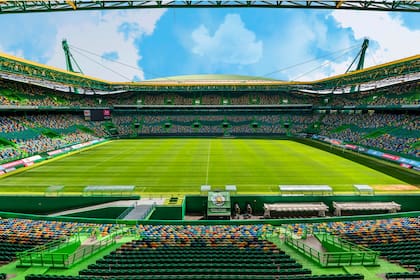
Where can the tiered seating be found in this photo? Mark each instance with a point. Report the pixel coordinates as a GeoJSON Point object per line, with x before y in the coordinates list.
{"type": "Point", "coordinates": [397, 239]}
{"type": "Point", "coordinates": [403, 275]}
{"type": "Point", "coordinates": [61, 277]}
{"type": "Point", "coordinates": [18, 235]}
{"type": "Point", "coordinates": [406, 253]}
{"type": "Point", "coordinates": [221, 252]}
{"type": "Point", "coordinates": [197, 252]}
{"type": "Point", "coordinates": [197, 256]}
{"type": "Point", "coordinates": [34, 133]}
{"type": "Point", "coordinates": [18, 93]}
{"type": "Point", "coordinates": [384, 131]}
{"type": "Point", "coordinates": [9, 250]}
{"type": "Point", "coordinates": [30, 134]}
{"type": "Point", "coordinates": [202, 277]}
{"type": "Point", "coordinates": [400, 245]}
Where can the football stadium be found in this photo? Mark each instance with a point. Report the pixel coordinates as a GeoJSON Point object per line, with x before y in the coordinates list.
{"type": "Point", "coordinates": [209, 176]}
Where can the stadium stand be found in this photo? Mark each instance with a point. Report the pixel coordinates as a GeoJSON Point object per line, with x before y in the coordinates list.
{"type": "Point", "coordinates": [198, 252]}
{"type": "Point", "coordinates": [397, 239]}
{"type": "Point", "coordinates": [29, 134]}
{"type": "Point", "coordinates": [198, 257]}
{"type": "Point", "coordinates": [43, 111]}
{"type": "Point", "coordinates": [403, 275]}
{"type": "Point", "coordinates": [212, 251]}
{"type": "Point", "coordinates": [18, 235]}
{"type": "Point", "coordinates": [398, 94]}
{"type": "Point", "coordinates": [16, 93]}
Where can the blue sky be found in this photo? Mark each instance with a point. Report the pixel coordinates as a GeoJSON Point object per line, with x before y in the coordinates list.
{"type": "Point", "coordinates": [168, 42]}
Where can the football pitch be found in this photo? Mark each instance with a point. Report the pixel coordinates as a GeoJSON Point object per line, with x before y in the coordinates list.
{"type": "Point", "coordinates": [183, 165]}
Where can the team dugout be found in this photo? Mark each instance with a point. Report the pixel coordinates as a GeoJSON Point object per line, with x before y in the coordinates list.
{"type": "Point", "coordinates": [281, 209]}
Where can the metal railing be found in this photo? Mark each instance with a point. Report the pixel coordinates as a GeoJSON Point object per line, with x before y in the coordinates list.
{"type": "Point", "coordinates": [352, 255]}
{"type": "Point", "coordinates": [42, 255]}
{"type": "Point", "coordinates": [36, 254]}
{"type": "Point", "coordinates": [85, 251]}
{"type": "Point", "coordinates": [146, 214]}
{"type": "Point", "coordinates": [126, 211]}
{"type": "Point", "coordinates": [341, 243]}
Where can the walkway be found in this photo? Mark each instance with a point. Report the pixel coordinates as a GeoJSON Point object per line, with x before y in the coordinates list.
{"type": "Point", "coordinates": [119, 203]}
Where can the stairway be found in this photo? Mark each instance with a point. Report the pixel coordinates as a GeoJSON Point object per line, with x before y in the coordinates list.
{"type": "Point", "coordinates": [139, 212]}
{"type": "Point", "coordinates": [314, 243]}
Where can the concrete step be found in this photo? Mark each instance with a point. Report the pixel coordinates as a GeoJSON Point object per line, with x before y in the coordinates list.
{"type": "Point", "coordinates": [139, 212]}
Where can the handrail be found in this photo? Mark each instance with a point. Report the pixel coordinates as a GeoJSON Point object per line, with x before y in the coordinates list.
{"type": "Point", "coordinates": [274, 222]}
{"type": "Point", "coordinates": [153, 206]}
{"type": "Point", "coordinates": [55, 244]}
{"type": "Point", "coordinates": [85, 251]}
{"type": "Point", "coordinates": [126, 211]}
{"type": "Point", "coordinates": [328, 259]}
{"type": "Point", "coordinates": [336, 241]}
{"type": "Point", "coordinates": [41, 258]}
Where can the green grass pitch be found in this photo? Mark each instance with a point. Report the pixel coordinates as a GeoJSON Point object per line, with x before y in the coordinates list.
{"type": "Point", "coordinates": [183, 165]}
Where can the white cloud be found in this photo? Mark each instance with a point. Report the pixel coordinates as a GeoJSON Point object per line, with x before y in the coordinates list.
{"type": "Point", "coordinates": [231, 43]}
{"type": "Point", "coordinates": [295, 44]}
{"type": "Point", "coordinates": [14, 52]}
{"type": "Point", "coordinates": [394, 40]}
{"type": "Point", "coordinates": [105, 33]}
{"type": "Point", "coordinates": [389, 40]}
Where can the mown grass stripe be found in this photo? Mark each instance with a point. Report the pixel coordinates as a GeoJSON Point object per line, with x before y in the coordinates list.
{"type": "Point", "coordinates": [183, 165]}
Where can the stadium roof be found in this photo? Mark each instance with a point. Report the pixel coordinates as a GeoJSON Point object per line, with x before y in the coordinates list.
{"type": "Point", "coordinates": [213, 77]}
{"type": "Point", "coordinates": [18, 69]}
{"type": "Point", "coordinates": [27, 6]}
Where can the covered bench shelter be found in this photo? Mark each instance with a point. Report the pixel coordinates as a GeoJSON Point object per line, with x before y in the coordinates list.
{"type": "Point", "coordinates": [305, 189]}
{"type": "Point", "coordinates": [109, 190]}
{"type": "Point", "coordinates": [363, 189]}
{"type": "Point", "coordinates": [319, 207]}
{"type": "Point", "coordinates": [391, 207]}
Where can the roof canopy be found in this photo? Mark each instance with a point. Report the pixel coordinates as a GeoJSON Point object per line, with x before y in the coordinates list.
{"type": "Point", "coordinates": [319, 207]}
{"type": "Point", "coordinates": [14, 68]}
{"type": "Point", "coordinates": [392, 207]}
{"type": "Point", "coordinates": [27, 6]}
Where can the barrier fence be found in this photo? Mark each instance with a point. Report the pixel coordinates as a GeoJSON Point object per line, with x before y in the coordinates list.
{"type": "Point", "coordinates": [47, 255]}
{"type": "Point", "coordinates": [351, 255]}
